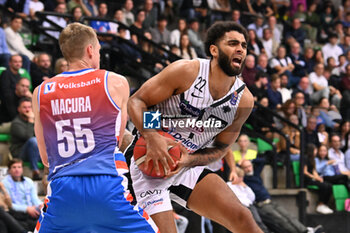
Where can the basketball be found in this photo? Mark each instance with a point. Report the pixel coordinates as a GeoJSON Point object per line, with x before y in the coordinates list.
{"type": "Point", "coordinates": [140, 156]}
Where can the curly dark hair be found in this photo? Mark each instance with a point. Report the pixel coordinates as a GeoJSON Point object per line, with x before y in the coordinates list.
{"type": "Point", "coordinates": [217, 31]}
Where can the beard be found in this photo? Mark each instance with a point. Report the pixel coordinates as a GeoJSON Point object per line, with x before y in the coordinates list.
{"type": "Point", "coordinates": [250, 173]}
{"type": "Point", "coordinates": [225, 64]}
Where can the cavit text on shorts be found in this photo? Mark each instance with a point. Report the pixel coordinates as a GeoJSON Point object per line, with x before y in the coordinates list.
{"type": "Point", "coordinates": [151, 192]}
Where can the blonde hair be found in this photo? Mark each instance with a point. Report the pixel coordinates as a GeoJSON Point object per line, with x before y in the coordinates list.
{"type": "Point", "coordinates": [240, 172]}
{"type": "Point", "coordinates": [73, 40]}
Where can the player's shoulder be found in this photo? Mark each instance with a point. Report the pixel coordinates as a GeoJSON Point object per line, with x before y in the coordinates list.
{"type": "Point", "coordinates": [185, 68]}
{"type": "Point", "coordinates": [247, 97]}
{"type": "Point", "coordinates": [42, 85]}
{"type": "Point", "coordinates": [117, 85]}
{"type": "Point", "coordinates": [180, 74]}
{"type": "Point", "coordinates": [246, 103]}
{"type": "Point", "coordinates": [117, 78]}
{"type": "Point", "coordinates": [36, 90]}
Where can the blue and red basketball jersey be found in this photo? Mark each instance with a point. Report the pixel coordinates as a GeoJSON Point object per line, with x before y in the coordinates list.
{"type": "Point", "coordinates": [81, 125]}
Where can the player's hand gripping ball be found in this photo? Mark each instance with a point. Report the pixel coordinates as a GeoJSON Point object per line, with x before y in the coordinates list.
{"type": "Point", "coordinates": [140, 156]}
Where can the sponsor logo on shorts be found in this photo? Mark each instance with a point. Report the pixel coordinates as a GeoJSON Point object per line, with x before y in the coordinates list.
{"type": "Point", "coordinates": [154, 202]}
{"type": "Point", "coordinates": [151, 192]}
{"type": "Point", "coordinates": [151, 120]}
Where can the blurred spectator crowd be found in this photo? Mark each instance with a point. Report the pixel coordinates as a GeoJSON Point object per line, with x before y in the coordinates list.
{"type": "Point", "coordinates": [298, 62]}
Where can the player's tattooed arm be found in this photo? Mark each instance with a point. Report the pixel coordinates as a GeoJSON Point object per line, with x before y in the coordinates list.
{"type": "Point", "coordinates": [226, 138]}
{"type": "Point", "coordinates": [208, 155]}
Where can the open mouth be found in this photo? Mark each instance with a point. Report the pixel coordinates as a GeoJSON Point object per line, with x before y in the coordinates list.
{"type": "Point", "coordinates": [237, 61]}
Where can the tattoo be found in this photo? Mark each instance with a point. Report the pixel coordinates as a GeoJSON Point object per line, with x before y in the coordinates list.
{"type": "Point", "coordinates": [208, 155]}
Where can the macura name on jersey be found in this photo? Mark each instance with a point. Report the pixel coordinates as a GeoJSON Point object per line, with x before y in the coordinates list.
{"type": "Point", "coordinates": [71, 105]}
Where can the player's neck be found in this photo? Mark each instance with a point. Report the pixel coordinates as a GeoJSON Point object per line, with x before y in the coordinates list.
{"type": "Point", "coordinates": [79, 65]}
{"type": "Point", "coordinates": [219, 82]}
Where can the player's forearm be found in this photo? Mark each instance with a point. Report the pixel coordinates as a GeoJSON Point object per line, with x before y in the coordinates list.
{"type": "Point", "coordinates": [136, 107]}
{"type": "Point", "coordinates": [208, 155]}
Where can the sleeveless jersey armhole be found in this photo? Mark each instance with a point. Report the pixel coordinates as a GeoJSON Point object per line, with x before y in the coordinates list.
{"type": "Point", "coordinates": [38, 97]}
{"type": "Point", "coordinates": [107, 92]}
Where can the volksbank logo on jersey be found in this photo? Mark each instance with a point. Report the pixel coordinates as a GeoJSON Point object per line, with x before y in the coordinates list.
{"type": "Point", "coordinates": [151, 120]}
{"type": "Point", "coordinates": [49, 87]}
{"type": "Point", "coordinates": [79, 84]}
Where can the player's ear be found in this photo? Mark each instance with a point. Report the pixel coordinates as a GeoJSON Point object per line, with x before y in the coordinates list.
{"type": "Point", "coordinates": [213, 50]}
{"type": "Point", "coordinates": [89, 50]}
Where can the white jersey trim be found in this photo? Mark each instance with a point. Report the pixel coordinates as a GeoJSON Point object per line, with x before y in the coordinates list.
{"type": "Point", "coordinates": [107, 92]}
{"type": "Point", "coordinates": [75, 73]}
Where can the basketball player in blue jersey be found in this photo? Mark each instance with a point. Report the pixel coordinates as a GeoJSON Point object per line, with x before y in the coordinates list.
{"type": "Point", "coordinates": [201, 90]}
{"type": "Point", "coordinates": [80, 117]}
